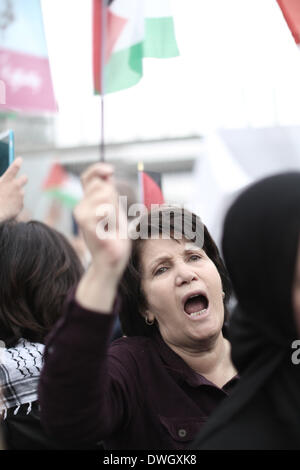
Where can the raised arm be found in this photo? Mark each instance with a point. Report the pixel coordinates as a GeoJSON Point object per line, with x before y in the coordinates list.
{"type": "Point", "coordinates": [11, 191]}
{"type": "Point", "coordinates": [110, 255]}
{"type": "Point", "coordinates": [83, 389]}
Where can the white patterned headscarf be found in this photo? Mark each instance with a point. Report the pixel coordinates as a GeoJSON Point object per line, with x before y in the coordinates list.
{"type": "Point", "coordinates": [20, 369]}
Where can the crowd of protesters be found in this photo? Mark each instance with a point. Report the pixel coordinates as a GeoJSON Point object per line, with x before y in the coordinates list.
{"type": "Point", "coordinates": [186, 373]}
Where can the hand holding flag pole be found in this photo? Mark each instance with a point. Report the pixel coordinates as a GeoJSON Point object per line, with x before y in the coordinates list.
{"type": "Point", "coordinates": [100, 14]}
{"type": "Point", "coordinates": [99, 48]}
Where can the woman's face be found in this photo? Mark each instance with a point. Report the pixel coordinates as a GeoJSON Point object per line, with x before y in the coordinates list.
{"type": "Point", "coordinates": [296, 291]}
{"type": "Point", "coordinates": [183, 289]}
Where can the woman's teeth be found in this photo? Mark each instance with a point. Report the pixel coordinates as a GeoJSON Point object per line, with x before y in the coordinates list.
{"type": "Point", "coordinates": [195, 314]}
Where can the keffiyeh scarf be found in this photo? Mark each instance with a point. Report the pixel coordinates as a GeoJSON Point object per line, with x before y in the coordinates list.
{"type": "Point", "coordinates": [20, 369]}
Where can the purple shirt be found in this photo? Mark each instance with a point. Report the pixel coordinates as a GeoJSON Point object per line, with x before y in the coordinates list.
{"type": "Point", "coordinates": [134, 394]}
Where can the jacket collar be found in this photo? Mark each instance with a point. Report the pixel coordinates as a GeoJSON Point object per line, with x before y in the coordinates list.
{"type": "Point", "coordinates": [179, 369]}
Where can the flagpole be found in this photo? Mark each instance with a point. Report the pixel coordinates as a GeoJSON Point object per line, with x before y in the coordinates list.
{"type": "Point", "coordinates": [140, 181]}
{"type": "Point", "coordinates": [102, 142]}
{"type": "Point", "coordinates": [102, 84]}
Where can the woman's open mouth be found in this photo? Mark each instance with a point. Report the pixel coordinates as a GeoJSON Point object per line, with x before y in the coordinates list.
{"type": "Point", "coordinates": [195, 305]}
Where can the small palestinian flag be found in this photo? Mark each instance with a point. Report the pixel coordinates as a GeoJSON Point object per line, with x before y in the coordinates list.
{"type": "Point", "coordinates": [291, 12]}
{"type": "Point", "coordinates": [150, 187]}
{"type": "Point", "coordinates": [131, 30]}
{"type": "Point", "coordinates": [63, 186]}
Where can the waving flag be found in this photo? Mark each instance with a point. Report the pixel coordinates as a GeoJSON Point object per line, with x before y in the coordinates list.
{"type": "Point", "coordinates": [25, 80]}
{"type": "Point", "coordinates": [150, 187]}
{"type": "Point", "coordinates": [63, 186]}
{"type": "Point", "coordinates": [128, 31]}
{"type": "Point", "coordinates": [291, 13]}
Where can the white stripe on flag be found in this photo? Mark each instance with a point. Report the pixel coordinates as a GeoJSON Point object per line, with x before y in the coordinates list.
{"type": "Point", "coordinates": [157, 8]}
{"type": "Point", "coordinates": [134, 30]}
{"type": "Point", "coordinates": [126, 8]}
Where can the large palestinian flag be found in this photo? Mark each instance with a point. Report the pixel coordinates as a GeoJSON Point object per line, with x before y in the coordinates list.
{"type": "Point", "coordinates": [127, 32]}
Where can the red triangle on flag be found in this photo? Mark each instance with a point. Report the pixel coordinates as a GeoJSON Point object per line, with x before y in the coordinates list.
{"type": "Point", "coordinates": [151, 189]}
{"type": "Point", "coordinates": [56, 177]}
{"type": "Point", "coordinates": [291, 12]}
{"type": "Point", "coordinates": [114, 27]}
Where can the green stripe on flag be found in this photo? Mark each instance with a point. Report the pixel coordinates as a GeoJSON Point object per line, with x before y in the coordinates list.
{"type": "Point", "coordinates": [65, 198]}
{"type": "Point", "coordinates": [124, 69]}
{"type": "Point", "coordinates": [160, 38]}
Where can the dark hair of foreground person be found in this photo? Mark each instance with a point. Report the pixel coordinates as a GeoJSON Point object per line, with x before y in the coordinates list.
{"type": "Point", "coordinates": [38, 268]}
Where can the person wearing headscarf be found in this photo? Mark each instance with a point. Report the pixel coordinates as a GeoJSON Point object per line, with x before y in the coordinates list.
{"type": "Point", "coordinates": [38, 269]}
{"type": "Point", "coordinates": [261, 251]}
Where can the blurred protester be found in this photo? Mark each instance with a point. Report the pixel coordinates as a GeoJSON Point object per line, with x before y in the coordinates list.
{"type": "Point", "coordinates": [156, 387]}
{"type": "Point", "coordinates": [11, 191]}
{"type": "Point", "coordinates": [38, 269]}
{"type": "Point", "coordinates": [11, 204]}
{"type": "Point", "coordinates": [261, 244]}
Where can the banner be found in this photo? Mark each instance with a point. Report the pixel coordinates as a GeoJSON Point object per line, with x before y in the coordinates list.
{"type": "Point", "coordinates": [25, 79]}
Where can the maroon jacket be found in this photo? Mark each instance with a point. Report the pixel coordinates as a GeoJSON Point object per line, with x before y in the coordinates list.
{"type": "Point", "coordinates": [134, 394]}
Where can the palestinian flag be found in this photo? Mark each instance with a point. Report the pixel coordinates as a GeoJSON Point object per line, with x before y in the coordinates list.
{"type": "Point", "coordinates": [291, 12]}
{"type": "Point", "coordinates": [150, 187]}
{"type": "Point", "coordinates": [123, 33]}
{"type": "Point", "coordinates": [63, 186]}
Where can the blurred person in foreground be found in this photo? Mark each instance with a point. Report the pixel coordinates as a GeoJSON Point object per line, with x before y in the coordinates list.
{"type": "Point", "coordinates": [12, 191]}
{"type": "Point", "coordinates": [38, 269]}
{"type": "Point", "coordinates": [156, 387]}
{"type": "Point", "coordinates": [261, 245]}
{"type": "Point", "coordinates": [11, 204]}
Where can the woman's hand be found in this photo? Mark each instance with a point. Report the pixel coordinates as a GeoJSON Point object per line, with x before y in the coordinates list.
{"type": "Point", "coordinates": [11, 191]}
{"type": "Point", "coordinates": [110, 249]}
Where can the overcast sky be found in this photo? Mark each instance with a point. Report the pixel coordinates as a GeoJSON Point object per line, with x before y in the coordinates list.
{"type": "Point", "coordinates": [239, 66]}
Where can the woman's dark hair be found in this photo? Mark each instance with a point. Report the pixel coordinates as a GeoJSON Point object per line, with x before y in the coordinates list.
{"type": "Point", "coordinates": [38, 267]}
{"type": "Point", "coordinates": [134, 302]}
